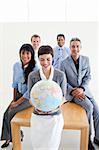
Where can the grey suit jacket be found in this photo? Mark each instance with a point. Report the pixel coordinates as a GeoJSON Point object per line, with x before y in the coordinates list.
{"type": "Point", "coordinates": [58, 77]}
{"type": "Point", "coordinates": [74, 79]}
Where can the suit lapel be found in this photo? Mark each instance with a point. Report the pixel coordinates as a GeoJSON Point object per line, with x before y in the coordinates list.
{"type": "Point", "coordinates": [74, 68]}
{"type": "Point", "coordinates": [80, 66]}
{"type": "Point", "coordinates": [73, 65]}
{"type": "Point", "coordinates": [79, 71]}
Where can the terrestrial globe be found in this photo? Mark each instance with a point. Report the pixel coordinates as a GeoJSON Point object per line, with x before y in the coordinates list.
{"type": "Point", "coordinates": [46, 95]}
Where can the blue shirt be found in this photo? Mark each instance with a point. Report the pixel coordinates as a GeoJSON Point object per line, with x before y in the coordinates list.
{"type": "Point", "coordinates": [18, 78]}
{"type": "Point", "coordinates": [60, 53]}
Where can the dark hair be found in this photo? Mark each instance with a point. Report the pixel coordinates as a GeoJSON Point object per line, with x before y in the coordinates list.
{"type": "Point", "coordinates": [61, 35]}
{"type": "Point", "coordinates": [75, 39]}
{"type": "Point", "coordinates": [35, 35]}
{"type": "Point", "coordinates": [31, 65]}
{"type": "Point", "coordinates": [45, 49]}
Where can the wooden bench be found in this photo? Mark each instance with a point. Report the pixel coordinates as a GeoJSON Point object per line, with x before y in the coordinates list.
{"type": "Point", "coordinates": [74, 119]}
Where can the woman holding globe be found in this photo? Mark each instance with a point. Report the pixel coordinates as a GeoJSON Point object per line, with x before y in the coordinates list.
{"type": "Point", "coordinates": [47, 120]}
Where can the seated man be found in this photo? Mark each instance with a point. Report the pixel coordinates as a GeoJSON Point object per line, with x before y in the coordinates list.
{"type": "Point", "coordinates": [77, 70]}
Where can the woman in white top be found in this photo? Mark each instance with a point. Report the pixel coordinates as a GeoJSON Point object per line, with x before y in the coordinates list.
{"type": "Point", "coordinates": [46, 128]}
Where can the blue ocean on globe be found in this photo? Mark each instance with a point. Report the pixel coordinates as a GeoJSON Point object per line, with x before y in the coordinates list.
{"type": "Point", "coordinates": [46, 95]}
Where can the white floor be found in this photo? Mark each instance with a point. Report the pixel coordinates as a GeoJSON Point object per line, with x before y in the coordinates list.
{"type": "Point", "coordinates": [70, 141]}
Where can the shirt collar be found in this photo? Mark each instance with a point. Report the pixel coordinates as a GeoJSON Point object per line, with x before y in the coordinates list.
{"type": "Point", "coordinates": [77, 62]}
{"type": "Point", "coordinates": [43, 77]}
{"type": "Point", "coordinates": [61, 47]}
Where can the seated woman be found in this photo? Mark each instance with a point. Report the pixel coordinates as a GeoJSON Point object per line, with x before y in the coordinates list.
{"type": "Point", "coordinates": [21, 71]}
{"type": "Point", "coordinates": [46, 127]}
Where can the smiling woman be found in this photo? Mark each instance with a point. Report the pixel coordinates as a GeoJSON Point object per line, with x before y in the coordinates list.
{"type": "Point", "coordinates": [21, 71]}
{"type": "Point", "coordinates": [46, 120]}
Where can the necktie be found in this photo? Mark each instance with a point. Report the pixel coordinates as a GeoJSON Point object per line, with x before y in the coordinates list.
{"type": "Point", "coordinates": [60, 54]}
{"type": "Point", "coordinates": [59, 59]}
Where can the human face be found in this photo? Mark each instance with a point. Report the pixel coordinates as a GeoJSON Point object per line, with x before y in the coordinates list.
{"type": "Point", "coordinates": [45, 61]}
{"type": "Point", "coordinates": [75, 48]}
{"type": "Point", "coordinates": [60, 41]}
{"type": "Point", "coordinates": [25, 56]}
{"type": "Point", "coordinates": [35, 42]}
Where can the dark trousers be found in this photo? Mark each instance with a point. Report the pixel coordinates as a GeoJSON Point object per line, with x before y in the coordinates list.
{"type": "Point", "coordinates": [8, 115]}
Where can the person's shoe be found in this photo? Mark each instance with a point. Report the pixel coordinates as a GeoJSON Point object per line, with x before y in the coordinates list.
{"type": "Point", "coordinates": [91, 146]}
{"type": "Point", "coordinates": [6, 144]}
{"type": "Point", "coordinates": [96, 141]}
{"type": "Point", "coordinates": [22, 135]}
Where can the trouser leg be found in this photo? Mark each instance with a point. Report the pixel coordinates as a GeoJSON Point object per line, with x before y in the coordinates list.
{"type": "Point", "coordinates": [8, 115]}
{"type": "Point", "coordinates": [88, 106]}
{"type": "Point", "coordinates": [96, 118]}
{"type": "Point", "coordinates": [5, 125]}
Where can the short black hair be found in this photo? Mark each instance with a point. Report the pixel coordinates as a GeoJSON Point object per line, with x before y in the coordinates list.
{"type": "Point", "coordinates": [45, 49]}
{"type": "Point", "coordinates": [75, 39]}
{"type": "Point", "coordinates": [61, 35]}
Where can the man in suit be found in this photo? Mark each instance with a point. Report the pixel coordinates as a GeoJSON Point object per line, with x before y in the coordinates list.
{"type": "Point", "coordinates": [35, 41]}
{"type": "Point", "coordinates": [60, 51]}
{"type": "Point", "coordinates": [77, 70]}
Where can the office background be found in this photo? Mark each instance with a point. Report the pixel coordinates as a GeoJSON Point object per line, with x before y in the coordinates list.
{"type": "Point", "coordinates": [82, 17]}
{"type": "Point", "coordinates": [13, 35]}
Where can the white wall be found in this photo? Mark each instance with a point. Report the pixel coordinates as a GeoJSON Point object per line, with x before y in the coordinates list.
{"type": "Point", "coordinates": [13, 35]}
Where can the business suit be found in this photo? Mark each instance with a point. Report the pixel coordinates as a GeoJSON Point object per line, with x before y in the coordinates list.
{"type": "Point", "coordinates": [81, 79]}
